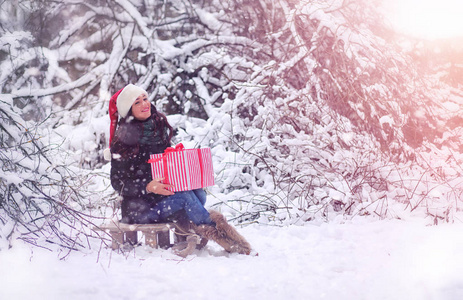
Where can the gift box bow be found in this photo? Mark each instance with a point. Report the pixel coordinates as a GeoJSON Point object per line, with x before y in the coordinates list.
{"type": "Point", "coordinates": [168, 150]}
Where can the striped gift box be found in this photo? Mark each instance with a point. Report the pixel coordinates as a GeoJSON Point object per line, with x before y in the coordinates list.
{"type": "Point", "coordinates": [184, 169]}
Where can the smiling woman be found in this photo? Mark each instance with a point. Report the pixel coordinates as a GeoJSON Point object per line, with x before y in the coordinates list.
{"type": "Point", "coordinates": [141, 108]}
{"type": "Point", "coordinates": [428, 19]}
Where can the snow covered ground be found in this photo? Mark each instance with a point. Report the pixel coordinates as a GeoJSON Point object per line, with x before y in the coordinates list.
{"type": "Point", "coordinates": [360, 259]}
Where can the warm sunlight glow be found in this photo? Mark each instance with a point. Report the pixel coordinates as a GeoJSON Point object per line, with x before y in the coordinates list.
{"type": "Point", "coordinates": [429, 19]}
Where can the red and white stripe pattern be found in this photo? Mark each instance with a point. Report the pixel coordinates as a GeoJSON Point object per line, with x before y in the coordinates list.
{"type": "Point", "coordinates": [184, 169]}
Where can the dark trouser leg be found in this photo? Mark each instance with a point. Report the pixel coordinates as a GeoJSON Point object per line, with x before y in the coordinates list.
{"type": "Point", "coordinates": [189, 202]}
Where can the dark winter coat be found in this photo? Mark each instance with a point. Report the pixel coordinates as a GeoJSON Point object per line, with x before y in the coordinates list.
{"type": "Point", "coordinates": [133, 143]}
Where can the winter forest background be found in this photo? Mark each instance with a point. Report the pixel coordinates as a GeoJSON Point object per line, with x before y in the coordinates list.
{"type": "Point", "coordinates": [314, 110]}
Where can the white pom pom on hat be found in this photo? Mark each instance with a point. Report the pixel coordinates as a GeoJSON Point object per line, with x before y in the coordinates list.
{"type": "Point", "coordinates": [107, 154]}
{"type": "Point", "coordinates": [120, 104]}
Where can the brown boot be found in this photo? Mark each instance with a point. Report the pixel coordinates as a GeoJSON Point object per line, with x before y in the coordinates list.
{"type": "Point", "coordinates": [187, 247]}
{"type": "Point", "coordinates": [224, 234]}
{"type": "Point", "coordinates": [185, 229]}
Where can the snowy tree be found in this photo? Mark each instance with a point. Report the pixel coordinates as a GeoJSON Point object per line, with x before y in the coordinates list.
{"type": "Point", "coordinates": [310, 108]}
{"type": "Point", "coordinates": [41, 198]}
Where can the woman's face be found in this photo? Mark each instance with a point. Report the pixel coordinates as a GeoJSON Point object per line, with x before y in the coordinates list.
{"type": "Point", "coordinates": [141, 108]}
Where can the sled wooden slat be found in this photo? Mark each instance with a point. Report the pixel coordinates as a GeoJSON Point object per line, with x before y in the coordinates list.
{"type": "Point", "coordinates": [155, 234]}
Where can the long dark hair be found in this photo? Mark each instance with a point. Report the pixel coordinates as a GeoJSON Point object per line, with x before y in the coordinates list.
{"type": "Point", "coordinates": [126, 141]}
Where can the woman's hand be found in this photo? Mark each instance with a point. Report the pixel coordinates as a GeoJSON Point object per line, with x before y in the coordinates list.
{"type": "Point", "coordinates": [157, 187]}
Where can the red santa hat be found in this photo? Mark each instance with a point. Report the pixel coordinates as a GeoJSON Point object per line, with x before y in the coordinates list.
{"type": "Point", "coordinates": [119, 105]}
